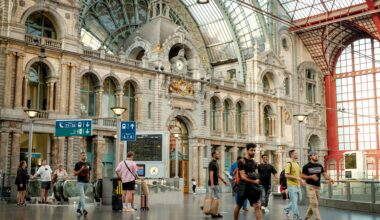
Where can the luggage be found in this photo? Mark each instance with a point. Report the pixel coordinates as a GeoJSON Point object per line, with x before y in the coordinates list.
{"type": "Point", "coordinates": [144, 202]}
{"type": "Point", "coordinates": [210, 205]}
{"type": "Point", "coordinates": [117, 202]}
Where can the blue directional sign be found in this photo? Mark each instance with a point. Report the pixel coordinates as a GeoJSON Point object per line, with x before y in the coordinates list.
{"type": "Point", "coordinates": [75, 127]}
{"type": "Point", "coordinates": [128, 131]}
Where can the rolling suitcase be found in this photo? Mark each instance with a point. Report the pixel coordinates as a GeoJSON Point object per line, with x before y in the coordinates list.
{"type": "Point", "coordinates": [144, 202]}
{"type": "Point", "coordinates": [117, 202]}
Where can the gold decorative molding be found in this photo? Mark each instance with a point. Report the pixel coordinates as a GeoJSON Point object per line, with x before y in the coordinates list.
{"type": "Point", "coordinates": [181, 87]}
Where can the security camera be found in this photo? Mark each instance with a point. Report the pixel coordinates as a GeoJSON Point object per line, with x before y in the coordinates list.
{"type": "Point", "coordinates": [162, 68]}
{"type": "Point", "coordinates": [156, 67]}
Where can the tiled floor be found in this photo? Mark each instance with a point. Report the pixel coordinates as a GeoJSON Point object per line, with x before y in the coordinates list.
{"type": "Point", "coordinates": [188, 210]}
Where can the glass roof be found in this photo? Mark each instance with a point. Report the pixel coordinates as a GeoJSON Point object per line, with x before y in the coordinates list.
{"type": "Point", "coordinates": [300, 9]}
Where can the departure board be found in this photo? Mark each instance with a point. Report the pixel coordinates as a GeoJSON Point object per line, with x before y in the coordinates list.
{"type": "Point", "coordinates": [147, 147]}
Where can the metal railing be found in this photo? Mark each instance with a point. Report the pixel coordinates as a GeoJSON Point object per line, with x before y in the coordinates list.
{"type": "Point", "coordinates": [352, 190]}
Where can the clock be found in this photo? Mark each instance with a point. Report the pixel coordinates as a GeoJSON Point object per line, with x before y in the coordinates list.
{"type": "Point", "coordinates": [153, 171]}
{"type": "Point", "coordinates": [179, 65]}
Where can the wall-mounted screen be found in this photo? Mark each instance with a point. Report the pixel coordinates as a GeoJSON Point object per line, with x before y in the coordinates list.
{"type": "Point", "coordinates": [141, 170]}
{"type": "Point", "coordinates": [147, 147]}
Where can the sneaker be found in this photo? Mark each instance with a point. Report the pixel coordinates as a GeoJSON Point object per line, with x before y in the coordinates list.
{"type": "Point", "coordinates": [263, 208]}
{"type": "Point", "coordinates": [217, 216]}
{"type": "Point", "coordinates": [130, 210]}
{"type": "Point", "coordinates": [85, 212]}
{"type": "Point", "coordinates": [287, 213]}
{"type": "Point", "coordinates": [245, 209]}
{"type": "Point", "coordinates": [125, 209]}
{"type": "Point", "coordinates": [266, 210]}
{"type": "Point", "coordinates": [79, 212]}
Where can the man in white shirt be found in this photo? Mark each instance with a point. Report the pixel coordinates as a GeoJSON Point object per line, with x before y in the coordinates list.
{"type": "Point", "coordinates": [45, 173]}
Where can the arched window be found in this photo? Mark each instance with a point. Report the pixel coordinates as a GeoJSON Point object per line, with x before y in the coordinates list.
{"type": "Point", "coordinates": [287, 86]}
{"type": "Point", "coordinates": [37, 24]}
{"type": "Point", "coordinates": [266, 85]}
{"type": "Point", "coordinates": [268, 121]}
{"type": "Point", "coordinates": [88, 95]}
{"type": "Point", "coordinates": [213, 114]}
{"type": "Point", "coordinates": [109, 97]}
{"type": "Point", "coordinates": [310, 85]}
{"type": "Point", "coordinates": [357, 92]}
{"type": "Point", "coordinates": [129, 100]}
{"type": "Point", "coordinates": [238, 118]}
{"type": "Point", "coordinates": [37, 88]}
{"type": "Point", "coordinates": [226, 116]}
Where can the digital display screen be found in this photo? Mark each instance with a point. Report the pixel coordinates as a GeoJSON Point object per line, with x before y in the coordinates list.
{"type": "Point", "coordinates": [350, 160]}
{"type": "Point", "coordinates": [141, 170]}
{"type": "Point", "coordinates": [147, 147]}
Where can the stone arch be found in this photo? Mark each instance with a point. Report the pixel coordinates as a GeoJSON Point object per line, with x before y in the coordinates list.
{"type": "Point", "coordinates": [242, 104]}
{"type": "Point", "coordinates": [272, 78]}
{"type": "Point", "coordinates": [271, 105]}
{"type": "Point", "coordinates": [217, 99]}
{"type": "Point", "coordinates": [57, 20]}
{"type": "Point", "coordinates": [135, 82]}
{"type": "Point", "coordinates": [95, 75]}
{"type": "Point", "coordinates": [186, 117]}
{"type": "Point", "coordinates": [229, 101]}
{"type": "Point", "coordinates": [114, 79]}
{"type": "Point", "coordinates": [308, 65]}
{"type": "Point", "coordinates": [53, 72]}
{"type": "Point", "coordinates": [314, 142]}
{"type": "Point", "coordinates": [138, 45]}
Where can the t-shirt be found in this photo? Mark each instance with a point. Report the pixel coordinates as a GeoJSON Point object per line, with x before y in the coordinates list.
{"type": "Point", "coordinates": [265, 172]}
{"type": "Point", "coordinates": [126, 175]}
{"type": "Point", "coordinates": [213, 166]}
{"type": "Point", "coordinates": [45, 173]}
{"type": "Point", "coordinates": [249, 166]}
{"type": "Point", "coordinates": [60, 174]}
{"type": "Point", "coordinates": [311, 169]}
{"type": "Point", "coordinates": [84, 175]}
{"type": "Point", "coordinates": [292, 168]}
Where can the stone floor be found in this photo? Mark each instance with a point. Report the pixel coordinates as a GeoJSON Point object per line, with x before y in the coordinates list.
{"type": "Point", "coordinates": [188, 210]}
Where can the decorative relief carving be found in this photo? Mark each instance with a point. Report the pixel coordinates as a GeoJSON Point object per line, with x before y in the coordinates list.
{"type": "Point", "coordinates": [181, 87]}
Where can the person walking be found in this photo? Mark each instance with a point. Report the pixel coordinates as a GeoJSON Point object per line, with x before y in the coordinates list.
{"type": "Point", "coordinates": [45, 173]}
{"type": "Point", "coordinates": [60, 174]}
{"type": "Point", "coordinates": [194, 185]}
{"type": "Point", "coordinates": [265, 171]}
{"type": "Point", "coordinates": [311, 172]}
{"type": "Point", "coordinates": [127, 171]}
{"type": "Point", "coordinates": [214, 177]}
{"type": "Point", "coordinates": [22, 179]}
{"type": "Point", "coordinates": [233, 173]}
{"type": "Point", "coordinates": [293, 181]}
{"type": "Point", "coordinates": [82, 170]}
{"type": "Point", "coordinates": [248, 187]}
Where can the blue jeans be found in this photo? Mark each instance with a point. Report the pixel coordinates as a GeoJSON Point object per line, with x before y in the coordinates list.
{"type": "Point", "coordinates": [293, 192]}
{"type": "Point", "coordinates": [266, 190]}
{"type": "Point", "coordinates": [216, 192]}
{"type": "Point", "coordinates": [82, 188]}
{"type": "Point", "coordinates": [236, 200]}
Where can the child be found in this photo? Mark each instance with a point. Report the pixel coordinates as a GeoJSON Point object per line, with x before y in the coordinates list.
{"type": "Point", "coordinates": [194, 183]}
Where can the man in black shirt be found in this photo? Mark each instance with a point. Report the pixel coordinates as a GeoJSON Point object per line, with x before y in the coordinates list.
{"type": "Point", "coordinates": [311, 172]}
{"type": "Point", "coordinates": [265, 171]}
{"type": "Point", "coordinates": [248, 187]}
{"type": "Point", "coordinates": [214, 176]}
{"type": "Point", "coordinates": [82, 170]}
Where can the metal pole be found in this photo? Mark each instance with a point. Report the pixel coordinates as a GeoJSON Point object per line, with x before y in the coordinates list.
{"type": "Point", "coordinates": [176, 157]}
{"type": "Point", "coordinates": [300, 143]}
{"type": "Point", "coordinates": [117, 148]}
{"type": "Point", "coordinates": [30, 143]}
{"type": "Point", "coordinates": [125, 150]}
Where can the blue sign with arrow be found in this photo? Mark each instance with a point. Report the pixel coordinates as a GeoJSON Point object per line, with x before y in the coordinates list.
{"type": "Point", "coordinates": [74, 127]}
{"type": "Point", "coordinates": [128, 131]}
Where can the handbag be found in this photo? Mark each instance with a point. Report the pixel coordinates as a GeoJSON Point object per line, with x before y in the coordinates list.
{"type": "Point", "coordinates": [210, 205]}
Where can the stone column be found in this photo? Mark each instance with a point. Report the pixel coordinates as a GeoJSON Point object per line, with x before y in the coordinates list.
{"type": "Point", "coordinates": [63, 88]}
{"type": "Point", "coordinates": [138, 107]}
{"type": "Point", "coordinates": [4, 140]}
{"type": "Point", "coordinates": [222, 160]}
{"type": "Point", "coordinates": [201, 173]}
{"type": "Point", "coordinates": [195, 163]}
{"type": "Point", "coordinates": [219, 121]}
{"type": "Point", "coordinates": [99, 147]}
{"type": "Point", "coordinates": [232, 129]}
{"type": "Point", "coordinates": [18, 78]}
{"type": "Point", "coordinates": [72, 96]}
{"type": "Point", "coordinates": [119, 98]}
{"type": "Point", "coordinates": [258, 153]}
{"type": "Point", "coordinates": [99, 96]}
{"type": "Point", "coordinates": [234, 153]}
{"type": "Point", "coordinates": [244, 123]}
{"type": "Point", "coordinates": [50, 96]}
{"type": "Point", "coordinates": [25, 85]}
{"type": "Point", "coordinates": [8, 79]}
{"type": "Point", "coordinates": [69, 156]}
{"type": "Point", "coordinates": [15, 154]}
{"type": "Point", "coordinates": [279, 165]}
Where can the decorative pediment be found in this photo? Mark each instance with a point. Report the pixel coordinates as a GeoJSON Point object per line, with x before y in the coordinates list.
{"type": "Point", "coordinates": [270, 58]}
{"type": "Point", "coordinates": [181, 87]}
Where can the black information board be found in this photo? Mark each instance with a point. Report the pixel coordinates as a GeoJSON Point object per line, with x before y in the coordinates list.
{"type": "Point", "coordinates": [147, 147]}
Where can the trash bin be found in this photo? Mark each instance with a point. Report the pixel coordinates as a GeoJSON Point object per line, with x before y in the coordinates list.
{"type": "Point", "coordinates": [117, 191]}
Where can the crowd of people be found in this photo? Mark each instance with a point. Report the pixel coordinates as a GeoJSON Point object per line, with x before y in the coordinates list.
{"type": "Point", "coordinates": [251, 182]}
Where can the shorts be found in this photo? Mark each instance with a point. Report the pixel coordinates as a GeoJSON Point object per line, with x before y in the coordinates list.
{"type": "Point", "coordinates": [129, 186]}
{"type": "Point", "coordinates": [247, 191]}
{"type": "Point", "coordinates": [21, 188]}
{"type": "Point", "coordinates": [46, 185]}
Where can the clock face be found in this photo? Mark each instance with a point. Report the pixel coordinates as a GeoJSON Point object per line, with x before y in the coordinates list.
{"type": "Point", "coordinates": [153, 171]}
{"type": "Point", "coordinates": [179, 64]}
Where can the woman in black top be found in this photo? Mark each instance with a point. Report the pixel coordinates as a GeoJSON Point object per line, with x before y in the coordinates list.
{"type": "Point", "coordinates": [21, 181]}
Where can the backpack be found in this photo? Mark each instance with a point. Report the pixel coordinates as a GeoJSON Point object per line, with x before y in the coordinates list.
{"type": "Point", "coordinates": [236, 177]}
{"type": "Point", "coordinates": [283, 177]}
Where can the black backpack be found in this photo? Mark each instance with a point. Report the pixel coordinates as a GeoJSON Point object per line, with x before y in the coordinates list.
{"type": "Point", "coordinates": [283, 178]}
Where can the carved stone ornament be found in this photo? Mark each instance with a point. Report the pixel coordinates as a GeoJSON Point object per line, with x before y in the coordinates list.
{"type": "Point", "coordinates": [181, 87]}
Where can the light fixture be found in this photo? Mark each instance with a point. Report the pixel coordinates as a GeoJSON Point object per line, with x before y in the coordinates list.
{"type": "Point", "coordinates": [176, 135]}
{"type": "Point", "coordinates": [203, 1]}
{"type": "Point", "coordinates": [118, 110]}
{"type": "Point", "coordinates": [31, 113]}
{"type": "Point", "coordinates": [300, 117]}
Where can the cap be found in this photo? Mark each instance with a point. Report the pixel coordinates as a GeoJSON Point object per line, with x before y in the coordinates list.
{"type": "Point", "coordinates": [311, 153]}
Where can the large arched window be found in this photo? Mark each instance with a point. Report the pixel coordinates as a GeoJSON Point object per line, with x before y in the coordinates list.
{"type": "Point", "coordinates": [88, 95]}
{"type": "Point", "coordinates": [226, 116]}
{"type": "Point", "coordinates": [109, 97]}
{"type": "Point", "coordinates": [37, 24]}
{"type": "Point", "coordinates": [357, 92]}
{"type": "Point", "coordinates": [213, 112]}
{"type": "Point", "coordinates": [37, 88]}
{"type": "Point", "coordinates": [129, 100]}
{"type": "Point", "coordinates": [311, 85]}
{"type": "Point", "coordinates": [238, 118]}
